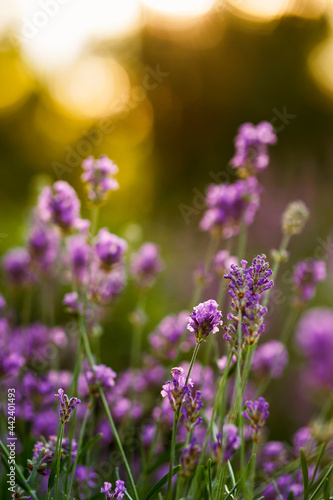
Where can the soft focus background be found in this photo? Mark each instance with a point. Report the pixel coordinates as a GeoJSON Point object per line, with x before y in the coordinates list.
{"type": "Point", "coordinates": [161, 87]}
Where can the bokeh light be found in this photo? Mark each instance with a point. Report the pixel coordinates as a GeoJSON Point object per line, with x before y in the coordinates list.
{"type": "Point", "coordinates": [260, 10]}
{"type": "Point", "coordinates": [321, 67]}
{"type": "Point", "coordinates": [186, 8]}
{"type": "Point", "coordinates": [93, 87]}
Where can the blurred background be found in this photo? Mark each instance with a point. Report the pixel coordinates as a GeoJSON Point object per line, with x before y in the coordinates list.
{"type": "Point", "coordinates": [161, 87]}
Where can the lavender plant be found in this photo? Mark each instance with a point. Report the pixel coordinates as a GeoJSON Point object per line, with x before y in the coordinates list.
{"type": "Point", "coordinates": [204, 434]}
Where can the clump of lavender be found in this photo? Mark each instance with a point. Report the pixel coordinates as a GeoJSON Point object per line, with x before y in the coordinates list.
{"type": "Point", "coordinates": [43, 245]}
{"type": "Point", "coordinates": [98, 177]}
{"type": "Point", "coordinates": [67, 406]}
{"type": "Point", "coordinates": [175, 389]}
{"type": "Point", "coordinates": [294, 218]}
{"type": "Point", "coordinates": [245, 287]}
{"type": "Point", "coordinates": [307, 275]}
{"type": "Point", "coordinates": [117, 494]}
{"type": "Point", "coordinates": [205, 319]}
{"type": "Point", "coordinates": [101, 376]}
{"type": "Point", "coordinates": [256, 413]}
{"type": "Point", "coordinates": [251, 144]}
{"type": "Point", "coordinates": [146, 264]}
{"type": "Point", "coordinates": [191, 409]}
{"type": "Point", "coordinates": [227, 443]}
{"type": "Point", "coordinates": [60, 205]}
{"type": "Point", "coordinates": [230, 206]}
{"type": "Point", "coordinates": [190, 458]}
{"type": "Point", "coordinates": [49, 448]}
{"type": "Point", "coordinates": [270, 359]}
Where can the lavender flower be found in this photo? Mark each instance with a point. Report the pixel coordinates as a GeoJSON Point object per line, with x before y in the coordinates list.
{"type": "Point", "coordinates": [98, 177]}
{"type": "Point", "coordinates": [109, 249]}
{"type": "Point", "coordinates": [117, 494]}
{"type": "Point", "coordinates": [314, 335]}
{"type": "Point", "coordinates": [227, 443]}
{"type": "Point", "coordinates": [252, 148]}
{"type": "Point", "coordinates": [43, 245]}
{"type": "Point", "coordinates": [16, 264]}
{"type": "Point", "coordinates": [256, 413]}
{"type": "Point", "coordinates": [285, 485]}
{"type": "Point", "coordinates": [246, 285]}
{"type": "Point", "coordinates": [294, 218]}
{"type": "Point", "coordinates": [205, 319]}
{"type": "Point", "coordinates": [59, 205]}
{"type": "Point", "coordinates": [191, 408]}
{"type": "Point", "coordinates": [79, 254]}
{"type": "Point", "coordinates": [49, 447]}
{"type": "Point", "coordinates": [175, 389]}
{"type": "Point", "coordinates": [273, 456]}
{"type": "Point", "coordinates": [146, 264]}
{"type": "Point", "coordinates": [229, 206]}
{"type": "Point", "coordinates": [304, 438]}
{"type": "Point", "coordinates": [190, 458]}
{"type": "Point", "coordinates": [106, 286]}
{"type": "Point", "coordinates": [67, 406]}
{"type": "Point", "coordinates": [101, 376]}
{"type": "Point", "coordinates": [270, 359]}
{"type": "Point", "coordinates": [307, 275]}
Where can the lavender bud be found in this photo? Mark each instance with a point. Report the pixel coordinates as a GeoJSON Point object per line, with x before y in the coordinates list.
{"type": "Point", "coordinates": [294, 218]}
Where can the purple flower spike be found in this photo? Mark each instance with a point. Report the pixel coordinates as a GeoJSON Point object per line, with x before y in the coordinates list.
{"type": "Point", "coordinates": [98, 178]}
{"type": "Point", "coordinates": [102, 375]}
{"type": "Point", "coordinates": [109, 249]}
{"type": "Point", "coordinates": [227, 443]}
{"type": "Point", "coordinates": [307, 275]}
{"type": "Point", "coordinates": [273, 456]}
{"type": "Point", "coordinates": [251, 144]}
{"type": "Point", "coordinates": [256, 413]}
{"type": "Point", "coordinates": [67, 406]}
{"type": "Point", "coordinates": [191, 408]}
{"type": "Point", "coordinates": [16, 264]}
{"type": "Point", "coordinates": [229, 205]}
{"type": "Point", "coordinates": [190, 458]}
{"type": "Point", "coordinates": [146, 265]}
{"type": "Point", "coordinates": [176, 389]}
{"type": "Point", "coordinates": [117, 494]}
{"type": "Point", "coordinates": [205, 319]}
{"type": "Point", "coordinates": [59, 205]}
{"type": "Point", "coordinates": [270, 359]}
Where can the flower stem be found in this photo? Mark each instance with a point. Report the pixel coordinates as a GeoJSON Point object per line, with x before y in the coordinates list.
{"type": "Point", "coordinates": [59, 444]}
{"type": "Point", "coordinates": [253, 471]}
{"type": "Point", "coordinates": [242, 242]}
{"type": "Point", "coordinates": [79, 446]}
{"type": "Point", "coordinates": [276, 265]}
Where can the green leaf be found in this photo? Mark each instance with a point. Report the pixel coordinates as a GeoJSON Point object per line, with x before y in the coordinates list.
{"type": "Point", "coordinates": [291, 496]}
{"type": "Point", "coordinates": [6, 466]}
{"type": "Point", "coordinates": [326, 488]}
{"type": "Point", "coordinates": [159, 485]}
{"type": "Point", "coordinates": [210, 477]}
{"type": "Point", "coordinates": [36, 466]}
{"type": "Point", "coordinates": [231, 472]}
{"type": "Point", "coordinates": [205, 490]}
{"type": "Point", "coordinates": [243, 477]}
{"type": "Point", "coordinates": [305, 472]}
{"type": "Point", "coordinates": [321, 483]}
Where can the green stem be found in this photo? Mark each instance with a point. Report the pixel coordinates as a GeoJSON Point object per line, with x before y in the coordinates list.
{"type": "Point", "coordinates": [79, 447]}
{"type": "Point", "coordinates": [221, 484]}
{"type": "Point", "coordinates": [94, 220]}
{"type": "Point", "coordinates": [238, 394]}
{"type": "Point", "coordinates": [60, 438]}
{"type": "Point", "coordinates": [19, 472]}
{"type": "Point", "coordinates": [172, 454]}
{"type": "Point", "coordinates": [211, 250]}
{"type": "Point", "coordinates": [253, 471]}
{"type": "Point", "coordinates": [242, 242]}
